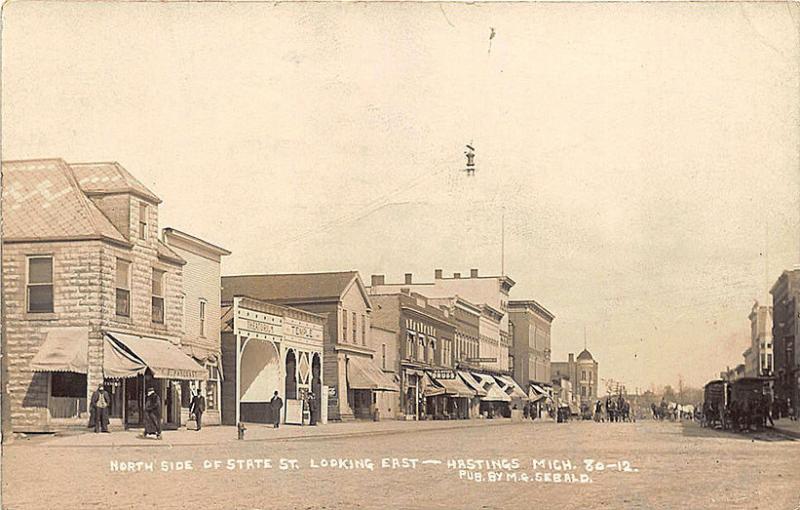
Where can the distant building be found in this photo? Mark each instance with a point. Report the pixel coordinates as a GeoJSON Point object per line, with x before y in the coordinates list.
{"type": "Point", "coordinates": [530, 341]}
{"type": "Point", "coordinates": [489, 293]}
{"type": "Point", "coordinates": [758, 358]}
{"type": "Point", "coordinates": [582, 373]}
{"type": "Point", "coordinates": [786, 309]}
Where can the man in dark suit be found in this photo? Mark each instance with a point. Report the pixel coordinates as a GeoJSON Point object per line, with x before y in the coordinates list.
{"type": "Point", "coordinates": [276, 404]}
{"type": "Point", "coordinates": [197, 407]}
{"type": "Point", "coordinates": [152, 414]}
{"type": "Point", "coordinates": [100, 403]}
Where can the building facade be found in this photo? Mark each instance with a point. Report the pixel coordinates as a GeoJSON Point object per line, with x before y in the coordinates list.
{"type": "Point", "coordinates": [785, 308]}
{"type": "Point", "coordinates": [530, 340]}
{"type": "Point", "coordinates": [761, 356]}
{"type": "Point", "coordinates": [582, 373]}
{"type": "Point", "coordinates": [268, 348]}
{"type": "Point", "coordinates": [490, 293]}
{"type": "Point", "coordinates": [339, 297]}
{"type": "Point", "coordinates": [92, 295]}
{"type": "Point", "coordinates": [201, 317]}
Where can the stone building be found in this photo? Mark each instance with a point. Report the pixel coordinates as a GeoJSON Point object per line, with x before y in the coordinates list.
{"type": "Point", "coordinates": [91, 294]}
{"type": "Point", "coordinates": [339, 297]}
{"type": "Point", "coordinates": [201, 315]}
{"type": "Point", "coordinates": [581, 372]}
{"type": "Point", "coordinates": [786, 310]}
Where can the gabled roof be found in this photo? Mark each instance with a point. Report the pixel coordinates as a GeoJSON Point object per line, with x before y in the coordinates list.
{"type": "Point", "coordinates": [110, 178]}
{"type": "Point", "coordinates": [585, 354]}
{"type": "Point", "coordinates": [168, 254]}
{"type": "Point", "coordinates": [43, 201]}
{"type": "Point", "coordinates": [292, 288]}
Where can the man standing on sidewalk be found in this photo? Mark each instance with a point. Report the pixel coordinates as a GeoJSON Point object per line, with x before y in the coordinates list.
{"type": "Point", "coordinates": [152, 414]}
{"type": "Point", "coordinates": [276, 404]}
{"type": "Point", "coordinates": [100, 402]}
{"type": "Point", "coordinates": [197, 407]}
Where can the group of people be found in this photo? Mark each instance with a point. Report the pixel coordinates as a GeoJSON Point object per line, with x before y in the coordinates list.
{"type": "Point", "coordinates": [614, 409]}
{"type": "Point", "coordinates": [100, 404]}
{"type": "Point", "coordinates": [740, 415]}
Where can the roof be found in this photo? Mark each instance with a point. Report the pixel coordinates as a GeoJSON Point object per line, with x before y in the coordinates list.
{"type": "Point", "coordinates": [195, 242]}
{"type": "Point", "coordinates": [43, 201]}
{"type": "Point", "coordinates": [585, 355]}
{"type": "Point", "coordinates": [291, 288]}
{"type": "Point", "coordinates": [532, 305]}
{"type": "Point", "coordinates": [167, 253]}
{"type": "Point", "coordinates": [110, 178]}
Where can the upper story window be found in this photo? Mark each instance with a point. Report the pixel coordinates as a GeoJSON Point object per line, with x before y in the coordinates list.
{"type": "Point", "coordinates": [363, 330]}
{"type": "Point", "coordinates": [383, 356]}
{"type": "Point", "coordinates": [123, 285]}
{"type": "Point", "coordinates": [355, 327]}
{"type": "Point", "coordinates": [344, 325]}
{"type": "Point", "coordinates": [202, 318]}
{"type": "Point", "coordinates": [157, 300]}
{"type": "Point", "coordinates": [409, 345]}
{"type": "Point", "coordinates": [40, 285]}
{"type": "Point", "coordinates": [142, 220]}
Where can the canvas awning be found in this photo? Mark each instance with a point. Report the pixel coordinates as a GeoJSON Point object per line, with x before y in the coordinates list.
{"type": "Point", "coordinates": [431, 389]}
{"type": "Point", "coordinates": [511, 387]}
{"type": "Point", "coordinates": [66, 350]}
{"type": "Point", "coordinates": [472, 383]}
{"type": "Point", "coordinates": [537, 393]}
{"type": "Point", "coordinates": [63, 350]}
{"type": "Point", "coordinates": [164, 359]}
{"type": "Point", "coordinates": [493, 391]}
{"type": "Point", "coordinates": [362, 374]}
{"type": "Point", "coordinates": [455, 387]}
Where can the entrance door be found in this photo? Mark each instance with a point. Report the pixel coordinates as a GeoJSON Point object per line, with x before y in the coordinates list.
{"type": "Point", "coordinates": [133, 401]}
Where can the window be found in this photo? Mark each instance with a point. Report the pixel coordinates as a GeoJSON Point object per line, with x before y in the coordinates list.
{"type": "Point", "coordinates": [431, 350]}
{"type": "Point", "coordinates": [769, 362]}
{"type": "Point", "coordinates": [344, 325]}
{"type": "Point", "coordinates": [583, 375]}
{"type": "Point", "coordinates": [355, 328]}
{"type": "Point", "coordinates": [409, 345]}
{"type": "Point", "coordinates": [383, 356]}
{"type": "Point", "coordinates": [68, 384]}
{"type": "Point", "coordinates": [40, 285]}
{"type": "Point", "coordinates": [212, 387]}
{"type": "Point", "coordinates": [142, 220]}
{"type": "Point", "coordinates": [123, 288]}
{"type": "Point", "coordinates": [157, 300]}
{"type": "Point", "coordinates": [363, 330]}
{"type": "Point", "coordinates": [202, 318]}
{"type": "Point", "coordinates": [583, 391]}
{"type": "Point", "coordinates": [421, 353]}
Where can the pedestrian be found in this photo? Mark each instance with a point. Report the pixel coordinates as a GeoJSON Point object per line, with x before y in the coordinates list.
{"type": "Point", "coordinates": [276, 403]}
{"type": "Point", "coordinates": [100, 402]}
{"type": "Point", "coordinates": [197, 407]}
{"type": "Point", "coordinates": [312, 408]}
{"type": "Point", "coordinates": [152, 414]}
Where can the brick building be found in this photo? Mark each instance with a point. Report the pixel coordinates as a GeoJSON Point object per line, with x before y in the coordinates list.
{"type": "Point", "coordinates": [786, 309]}
{"type": "Point", "coordinates": [582, 374]}
{"type": "Point", "coordinates": [91, 294]}
{"type": "Point", "coordinates": [758, 357]}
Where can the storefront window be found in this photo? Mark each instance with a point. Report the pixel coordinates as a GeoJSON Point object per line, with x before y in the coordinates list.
{"type": "Point", "coordinates": [212, 388]}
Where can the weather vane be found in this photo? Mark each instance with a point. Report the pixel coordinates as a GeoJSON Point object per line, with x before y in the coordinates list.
{"type": "Point", "coordinates": [470, 153]}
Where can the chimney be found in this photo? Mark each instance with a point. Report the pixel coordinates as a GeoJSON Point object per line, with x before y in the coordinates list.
{"type": "Point", "coordinates": [408, 279]}
{"type": "Point", "coordinates": [456, 275]}
{"type": "Point", "coordinates": [437, 274]}
{"type": "Point", "coordinates": [473, 273]}
{"type": "Point", "coordinates": [377, 279]}
{"type": "Point", "coordinates": [571, 357]}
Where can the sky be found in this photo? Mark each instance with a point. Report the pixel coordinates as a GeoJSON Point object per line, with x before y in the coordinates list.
{"type": "Point", "coordinates": [642, 158]}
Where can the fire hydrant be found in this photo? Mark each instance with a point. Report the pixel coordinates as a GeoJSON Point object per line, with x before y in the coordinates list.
{"type": "Point", "coordinates": [240, 429]}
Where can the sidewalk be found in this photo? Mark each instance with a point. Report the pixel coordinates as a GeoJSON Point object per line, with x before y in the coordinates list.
{"type": "Point", "coordinates": [788, 427]}
{"type": "Point", "coordinates": [212, 435]}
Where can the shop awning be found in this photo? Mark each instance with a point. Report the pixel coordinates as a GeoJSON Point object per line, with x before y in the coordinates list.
{"type": "Point", "coordinates": [431, 389]}
{"type": "Point", "coordinates": [537, 393]}
{"type": "Point", "coordinates": [362, 374]}
{"type": "Point", "coordinates": [63, 350]}
{"type": "Point", "coordinates": [455, 387]}
{"type": "Point", "coordinates": [493, 391]}
{"type": "Point", "coordinates": [118, 364]}
{"type": "Point", "coordinates": [511, 387]}
{"type": "Point", "coordinates": [165, 360]}
{"type": "Point", "coordinates": [472, 383]}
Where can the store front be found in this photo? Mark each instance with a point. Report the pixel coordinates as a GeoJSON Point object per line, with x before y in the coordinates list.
{"type": "Point", "coordinates": [495, 404]}
{"type": "Point", "coordinates": [364, 381]}
{"type": "Point", "coordinates": [458, 394]}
